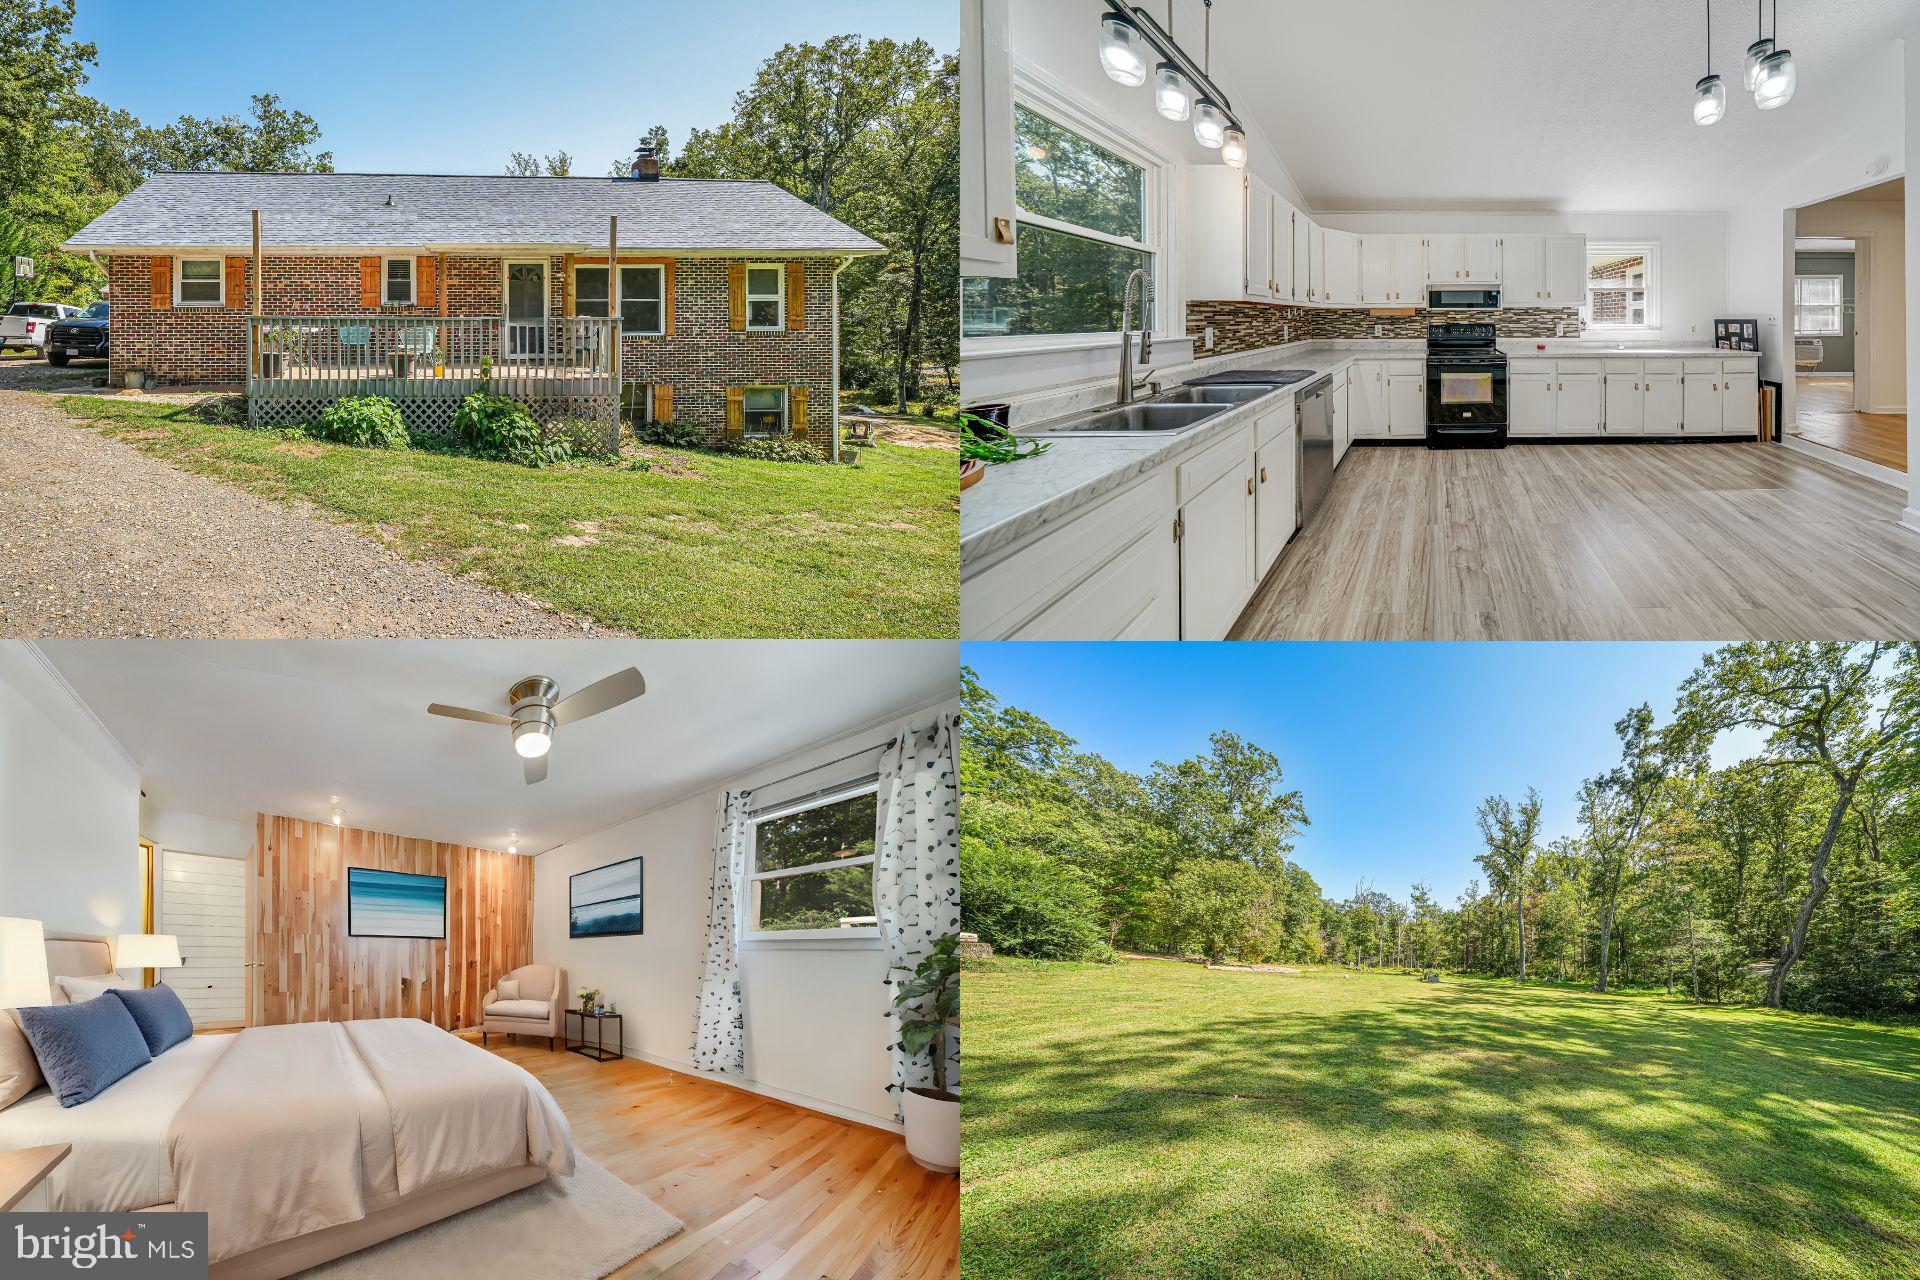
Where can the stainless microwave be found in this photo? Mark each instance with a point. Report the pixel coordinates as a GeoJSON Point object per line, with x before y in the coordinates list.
{"type": "Point", "coordinates": [1456, 299]}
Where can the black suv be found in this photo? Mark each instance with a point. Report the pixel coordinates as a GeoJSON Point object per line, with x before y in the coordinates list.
{"type": "Point", "coordinates": [80, 337]}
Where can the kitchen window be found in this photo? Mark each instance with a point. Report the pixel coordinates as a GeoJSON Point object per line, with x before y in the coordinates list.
{"type": "Point", "coordinates": [764, 411]}
{"type": "Point", "coordinates": [642, 296]}
{"type": "Point", "coordinates": [766, 297]}
{"type": "Point", "coordinates": [1623, 286]}
{"type": "Point", "coordinates": [398, 289]}
{"type": "Point", "coordinates": [811, 866]}
{"type": "Point", "coordinates": [200, 282]}
{"type": "Point", "coordinates": [1819, 305]}
{"type": "Point", "coordinates": [1082, 215]}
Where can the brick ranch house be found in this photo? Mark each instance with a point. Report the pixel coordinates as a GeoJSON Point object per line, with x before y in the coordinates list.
{"type": "Point", "coordinates": [729, 294]}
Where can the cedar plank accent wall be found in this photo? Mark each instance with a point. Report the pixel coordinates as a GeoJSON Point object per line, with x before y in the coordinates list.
{"type": "Point", "coordinates": [312, 971]}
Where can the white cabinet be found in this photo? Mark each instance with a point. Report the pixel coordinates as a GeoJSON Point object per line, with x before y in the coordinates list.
{"type": "Point", "coordinates": [1340, 415]}
{"type": "Point", "coordinates": [1566, 271]}
{"type": "Point", "coordinates": [1406, 405]}
{"type": "Point", "coordinates": [1276, 488]}
{"type": "Point", "coordinates": [1366, 400]}
{"type": "Point", "coordinates": [1483, 259]}
{"type": "Point", "coordinates": [1524, 267]}
{"type": "Point", "coordinates": [1700, 400]}
{"type": "Point", "coordinates": [1624, 398]}
{"type": "Point", "coordinates": [1302, 259]}
{"type": "Point", "coordinates": [1343, 268]}
{"type": "Point", "coordinates": [1257, 229]}
{"type": "Point", "coordinates": [1463, 260]}
{"type": "Point", "coordinates": [1230, 251]}
{"type": "Point", "coordinates": [1215, 532]}
{"type": "Point", "coordinates": [1317, 263]}
{"type": "Point", "coordinates": [1720, 399]}
{"type": "Point", "coordinates": [1577, 403]}
{"type": "Point", "coordinates": [1386, 400]}
{"type": "Point", "coordinates": [986, 141]}
{"type": "Point", "coordinates": [1643, 398]}
{"type": "Point", "coordinates": [1530, 401]}
{"type": "Point", "coordinates": [1660, 404]}
{"type": "Point", "coordinates": [1544, 399]}
{"type": "Point", "coordinates": [1392, 271]}
{"type": "Point", "coordinates": [1740, 401]}
{"type": "Point", "coordinates": [1282, 253]}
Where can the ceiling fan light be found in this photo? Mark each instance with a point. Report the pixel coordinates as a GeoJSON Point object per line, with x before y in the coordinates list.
{"type": "Point", "coordinates": [1172, 92]}
{"type": "Point", "coordinates": [1209, 124]}
{"type": "Point", "coordinates": [1756, 54]}
{"type": "Point", "coordinates": [1709, 100]}
{"type": "Point", "coordinates": [1778, 79]}
{"type": "Point", "coordinates": [1233, 147]}
{"type": "Point", "coordinates": [1123, 53]}
{"type": "Point", "coordinates": [531, 740]}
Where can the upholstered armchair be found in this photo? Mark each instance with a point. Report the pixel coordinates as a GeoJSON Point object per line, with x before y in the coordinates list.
{"type": "Point", "coordinates": [527, 1002]}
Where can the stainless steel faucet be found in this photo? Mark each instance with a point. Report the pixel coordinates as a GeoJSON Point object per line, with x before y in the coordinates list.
{"type": "Point", "coordinates": [1127, 385]}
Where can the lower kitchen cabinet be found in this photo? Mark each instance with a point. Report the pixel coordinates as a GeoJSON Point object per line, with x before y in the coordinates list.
{"type": "Point", "coordinates": [1276, 493]}
{"type": "Point", "coordinates": [1577, 404]}
{"type": "Point", "coordinates": [1215, 532]}
{"type": "Point", "coordinates": [1407, 405]}
{"type": "Point", "coordinates": [1543, 400]}
{"type": "Point", "coordinates": [1387, 400]}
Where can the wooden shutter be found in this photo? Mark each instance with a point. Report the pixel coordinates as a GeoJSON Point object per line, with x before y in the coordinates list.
{"type": "Point", "coordinates": [736, 411]}
{"type": "Point", "coordinates": [662, 403]}
{"type": "Point", "coordinates": [370, 282]}
{"type": "Point", "coordinates": [162, 283]}
{"type": "Point", "coordinates": [796, 295]}
{"type": "Point", "coordinates": [237, 283]}
{"type": "Point", "coordinates": [797, 412]}
{"type": "Point", "coordinates": [426, 282]}
{"type": "Point", "coordinates": [737, 295]}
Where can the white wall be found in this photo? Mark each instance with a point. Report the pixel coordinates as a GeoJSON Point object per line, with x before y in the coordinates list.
{"type": "Point", "coordinates": [197, 833]}
{"type": "Point", "coordinates": [69, 806]}
{"type": "Point", "coordinates": [816, 1028]}
{"type": "Point", "coordinates": [1880, 225]}
{"type": "Point", "coordinates": [1693, 252]}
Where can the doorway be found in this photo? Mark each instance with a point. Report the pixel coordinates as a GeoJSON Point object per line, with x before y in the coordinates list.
{"type": "Point", "coordinates": [526, 295]}
{"type": "Point", "coordinates": [202, 900]}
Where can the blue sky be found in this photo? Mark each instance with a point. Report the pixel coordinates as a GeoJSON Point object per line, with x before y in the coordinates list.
{"type": "Point", "coordinates": [442, 87]}
{"type": "Point", "coordinates": [1392, 745]}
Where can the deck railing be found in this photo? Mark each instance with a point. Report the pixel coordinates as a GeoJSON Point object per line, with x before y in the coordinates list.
{"type": "Point", "coordinates": [563, 368]}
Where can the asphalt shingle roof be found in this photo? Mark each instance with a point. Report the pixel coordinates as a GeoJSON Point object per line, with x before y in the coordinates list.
{"type": "Point", "coordinates": [352, 210]}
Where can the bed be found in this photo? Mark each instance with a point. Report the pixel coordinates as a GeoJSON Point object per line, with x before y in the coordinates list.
{"type": "Point", "coordinates": [301, 1142]}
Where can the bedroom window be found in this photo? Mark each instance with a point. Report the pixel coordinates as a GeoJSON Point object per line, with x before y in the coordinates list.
{"type": "Point", "coordinates": [766, 296]}
{"type": "Point", "coordinates": [200, 282]}
{"type": "Point", "coordinates": [812, 867]}
{"type": "Point", "coordinates": [641, 291]}
{"type": "Point", "coordinates": [398, 289]}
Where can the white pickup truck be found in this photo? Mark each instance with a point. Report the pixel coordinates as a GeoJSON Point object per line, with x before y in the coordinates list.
{"type": "Point", "coordinates": [26, 323]}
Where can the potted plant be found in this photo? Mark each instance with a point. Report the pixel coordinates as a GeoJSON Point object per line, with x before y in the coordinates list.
{"type": "Point", "coordinates": [926, 1007]}
{"type": "Point", "coordinates": [587, 997]}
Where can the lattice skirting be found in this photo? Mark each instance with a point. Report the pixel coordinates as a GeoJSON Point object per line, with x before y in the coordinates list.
{"type": "Point", "coordinates": [429, 416]}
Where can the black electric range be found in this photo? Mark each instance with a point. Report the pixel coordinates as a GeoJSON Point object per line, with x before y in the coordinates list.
{"type": "Point", "coordinates": [1466, 388]}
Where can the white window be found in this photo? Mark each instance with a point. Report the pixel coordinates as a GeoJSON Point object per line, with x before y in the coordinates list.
{"type": "Point", "coordinates": [1623, 282]}
{"type": "Point", "coordinates": [642, 296]}
{"type": "Point", "coordinates": [811, 866]}
{"type": "Point", "coordinates": [766, 296]}
{"type": "Point", "coordinates": [397, 290]}
{"type": "Point", "coordinates": [200, 282]}
{"type": "Point", "coordinates": [1082, 209]}
{"type": "Point", "coordinates": [1819, 305]}
{"type": "Point", "coordinates": [764, 411]}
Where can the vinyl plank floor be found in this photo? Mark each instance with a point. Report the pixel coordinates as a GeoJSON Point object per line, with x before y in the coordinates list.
{"type": "Point", "coordinates": [1595, 542]}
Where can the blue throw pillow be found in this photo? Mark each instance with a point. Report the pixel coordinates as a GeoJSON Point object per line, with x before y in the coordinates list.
{"type": "Point", "coordinates": [162, 1019]}
{"type": "Point", "coordinates": [83, 1047]}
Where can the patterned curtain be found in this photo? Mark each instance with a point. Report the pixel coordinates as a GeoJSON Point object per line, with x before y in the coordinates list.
{"type": "Point", "coordinates": [916, 878]}
{"type": "Point", "coordinates": [719, 1038]}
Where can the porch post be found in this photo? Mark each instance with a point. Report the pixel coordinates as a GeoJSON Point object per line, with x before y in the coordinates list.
{"type": "Point", "coordinates": [613, 315]}
{"type": "Point", "coordinates": [259, 285]}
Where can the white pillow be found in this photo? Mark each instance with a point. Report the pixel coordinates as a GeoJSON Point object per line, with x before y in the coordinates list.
{"type": "Point", "coordinates": [509, 988]}
{"type": "Point", "coordinates": [79, 989]}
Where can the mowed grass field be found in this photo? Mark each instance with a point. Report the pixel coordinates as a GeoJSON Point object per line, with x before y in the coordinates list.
{"type": "Point", "coordinates": [1160, 1121]}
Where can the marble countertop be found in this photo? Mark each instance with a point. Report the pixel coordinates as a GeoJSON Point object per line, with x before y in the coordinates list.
{"type": "Point", "coordinates": [1525, 349]}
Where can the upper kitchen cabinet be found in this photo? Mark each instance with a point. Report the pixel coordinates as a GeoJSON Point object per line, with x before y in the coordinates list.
{"type": "Point", "coordinates": [1463, 260]}
{"type": "Point", "coordinates": [1543, 271]}
{"type": "Point", "coordinates": [1392, 270]}
{"type": "Point", "coordinates": [1342, 252]}
{"type": "Point", "coordinates": [987, 245]}
{"type": "Point", "coordinates": [1240, 237]}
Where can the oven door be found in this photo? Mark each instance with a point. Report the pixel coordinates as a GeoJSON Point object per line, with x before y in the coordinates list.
{"type": "Point", "coordinates": [1463, 299]}
{"type": "Point", "coordinates": [1466, 393]}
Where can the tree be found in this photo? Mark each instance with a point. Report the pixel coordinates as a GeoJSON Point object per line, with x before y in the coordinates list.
{"type": "Point", "coordinates": [1613, 810]}
{"type": "Point", "coordinates": [1230, 803]}
{"type": "Point", "coordinates": [524, 164]}
{"type": "Point", "coordinates": [273, 139]}
{"type": "Point", "coordinates": [1509, 833]}
{"type": "Point", "coordinates": [1841, 710]}
{"type": "Point", "coordinates": [1227, 908]}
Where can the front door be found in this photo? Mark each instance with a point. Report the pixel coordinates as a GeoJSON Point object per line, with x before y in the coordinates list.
{"type": "Point", "coordinates": [526, 308]}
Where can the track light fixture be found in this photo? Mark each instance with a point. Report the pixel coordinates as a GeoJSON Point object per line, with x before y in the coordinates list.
{"type": "Point", "coordinates": [1182, 89]}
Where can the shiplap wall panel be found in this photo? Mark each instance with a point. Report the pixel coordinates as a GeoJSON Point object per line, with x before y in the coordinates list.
{"type": "Point", "coordinates": [203, 902]}
{"type": "Point", "coordinates": [311, 970]}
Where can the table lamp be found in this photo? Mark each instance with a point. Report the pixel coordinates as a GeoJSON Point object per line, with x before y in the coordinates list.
{"type": "Point", "coordinates": [23, 963]}
{"type": "Point", "coordinates": [146, 951]}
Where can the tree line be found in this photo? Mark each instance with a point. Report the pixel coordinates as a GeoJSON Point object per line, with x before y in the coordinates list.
{"type": "Point", "coordinates": [1790, 878]}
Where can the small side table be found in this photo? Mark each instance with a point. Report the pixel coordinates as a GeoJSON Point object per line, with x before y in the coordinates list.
{"type": "Point", "coordinates": [599, 1051]}
{"type": "Point", "coordinates": [23, 1176]}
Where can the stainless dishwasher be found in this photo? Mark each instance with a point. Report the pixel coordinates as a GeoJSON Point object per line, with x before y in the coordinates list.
{"type": "Point", "coordinates": [1315, 435]}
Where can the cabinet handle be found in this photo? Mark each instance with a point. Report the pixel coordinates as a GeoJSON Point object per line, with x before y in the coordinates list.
{"type": "Point", "coordinates": [1249, 486]}
{"type": "Point", "coordinates": [1561, 387]}
{"type": "Point", "coordinates": [1263, 475]}
{"type": "Point", "coordinates": [1179, 527]}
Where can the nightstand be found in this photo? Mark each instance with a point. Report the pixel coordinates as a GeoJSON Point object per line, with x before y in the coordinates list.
{"type": "Point", "coordinates": [23, 1177]}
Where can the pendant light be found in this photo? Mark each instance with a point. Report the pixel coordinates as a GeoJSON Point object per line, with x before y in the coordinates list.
{"type": "Point", "coordinates": [1778, 76]}
{"type": "Point", "coordinates": [1233, 147]}
{"type": "Point", "coordinates": [1172, 91]}
{"type": "Point", "coordinates": [1709, 94]}
{"type": "Point", "coordinates": [1759, 49]}
{"type": "Point", "coordinates": [1122, 50]}
{"type": "Point", "coordinates": [1209, 123]}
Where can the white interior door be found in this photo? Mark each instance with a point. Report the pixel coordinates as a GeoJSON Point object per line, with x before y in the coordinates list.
{"type": "Point", "coordinates": [202, 900]}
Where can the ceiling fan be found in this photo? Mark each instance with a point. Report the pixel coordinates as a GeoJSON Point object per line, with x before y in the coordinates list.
{"type": "Point", "coordinates": [535, 714]}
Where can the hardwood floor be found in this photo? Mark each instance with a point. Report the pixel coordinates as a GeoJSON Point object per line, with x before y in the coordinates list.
{"type": "Point", "coordinates": [1826, 418]}
{"type": "Point", "coordinates": [1595, 542]}
{"type": "Point", "coordinates": [768, 1191]}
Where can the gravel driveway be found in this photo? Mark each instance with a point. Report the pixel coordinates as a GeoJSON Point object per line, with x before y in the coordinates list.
{"type": "Point", "coordinates": [98, 539]}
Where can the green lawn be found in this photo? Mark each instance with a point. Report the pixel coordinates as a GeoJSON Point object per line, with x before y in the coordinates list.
{"type": "Point", "coordinates": [1160, 1121]}
{"type": "Point", "coordinates": [703, 545]}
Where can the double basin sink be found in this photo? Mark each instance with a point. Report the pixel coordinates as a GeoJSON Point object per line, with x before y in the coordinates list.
{"type": "Point", "coordinates": [1174, 410]}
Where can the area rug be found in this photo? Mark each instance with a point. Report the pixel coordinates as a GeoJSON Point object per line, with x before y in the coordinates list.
{"type": "Point", "coordinates": [578, 1228]}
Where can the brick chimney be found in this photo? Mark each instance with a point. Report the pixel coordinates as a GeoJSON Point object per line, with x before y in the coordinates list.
{"type": "Point", "coordinates": [646, 166]}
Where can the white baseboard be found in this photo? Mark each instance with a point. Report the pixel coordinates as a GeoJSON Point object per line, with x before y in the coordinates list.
{"type": "Point", "coordinates": [1846, 462]}
{"type": "Point", "coordinates": [822, 1105]}
{"type": "Point", "coordinates": [1910, 518]}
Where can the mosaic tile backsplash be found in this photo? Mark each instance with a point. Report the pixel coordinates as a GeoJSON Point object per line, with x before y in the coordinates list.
{"type": "Point", "coordinates": [1245, 326]}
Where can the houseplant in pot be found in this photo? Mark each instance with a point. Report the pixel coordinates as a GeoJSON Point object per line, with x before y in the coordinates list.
{"type": "Point", "coordinates": [927, 1006]}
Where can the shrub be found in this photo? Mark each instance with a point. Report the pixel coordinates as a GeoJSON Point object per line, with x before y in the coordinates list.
{"type": "Point", "coordinates": [225, 411]}
{"type": "Point", "coordinates": [671, 435]}
{"type": "Point", "coordinates": [774, 449]}
{"type": "Point", "coordinates": [1027, 904]}
{"type": "Point", "coordinates": [500, 429]}
{"type": "Point", "coordinates": [368, 422]}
